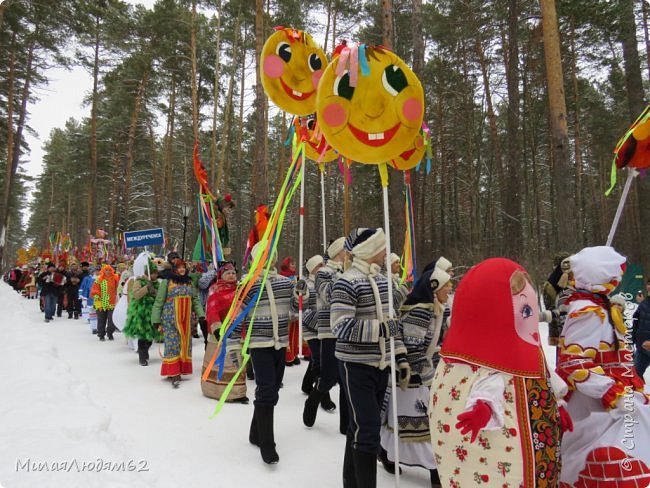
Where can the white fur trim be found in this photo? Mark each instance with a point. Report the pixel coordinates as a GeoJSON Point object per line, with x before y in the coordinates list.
{"type": "Point", "coordinates": [441, 277]}
{"type": "Point", "coordinates": [371, 246]}
{"type": "Point", "coordinates": [312, 262]}
{"type": "Point", "coordinates": [335, 247]}
{"type": "Point", "coordinates": [443, 263]}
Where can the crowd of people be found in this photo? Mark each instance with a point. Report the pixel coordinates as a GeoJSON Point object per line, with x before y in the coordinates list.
{"type": "Point", "coordinates": [474, 398]}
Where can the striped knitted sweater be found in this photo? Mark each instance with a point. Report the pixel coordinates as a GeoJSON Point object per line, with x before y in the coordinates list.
{"type": "Point", "coordinates": [419, 327]}
{"type": "Point", "coordinates": [270, 322]}
{"type": "Point", "coordinates": [309, 312]}
{"type": "Point", "coordinates": [356, 318]}
{"type": "Point", "coordinates": [325, 278]}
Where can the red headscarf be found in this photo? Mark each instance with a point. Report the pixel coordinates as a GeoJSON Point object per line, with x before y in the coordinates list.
{"type": "Point", "coordinates": [220, 296]}
{"type": "Point", "coordinates": [482, 330]}
{"type": "Point", "coordinates": [284, 267]}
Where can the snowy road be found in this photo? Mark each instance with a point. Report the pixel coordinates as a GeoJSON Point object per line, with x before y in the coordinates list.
{"type": "Point", "coordinates": [69, 401]}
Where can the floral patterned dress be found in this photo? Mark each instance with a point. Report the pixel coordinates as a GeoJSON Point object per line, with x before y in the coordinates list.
{"type": "Point", "coordinates": [520, 445]}
{"type": "Point", "coordinates": [173, 310]}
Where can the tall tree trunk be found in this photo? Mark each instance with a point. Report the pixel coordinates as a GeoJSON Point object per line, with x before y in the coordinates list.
{"type": "Point", "coordinates": [639, 248]}
{"type": "Point", "coordinates": [156, 178]}
{"type": "Point", "coordinates": [130, 149]}
{"type": "Point", "coordinates": [418, 181]}
{"type": "Point", "coordinates": [260, 187]}
{"type": "Point", "coordinates": [215, 97]}
{"type": "Point", "coordinates": [12, 165]}
{"type": "Point", "coordinates": [512, 225]}
{"type": "Point", "coordinates": [195, 99]}
{"type": "Point", "coordinates": [577, 138]}
{"type": "Point", "coordinates": [224, 157]}
{"type": "Point", "coordinates": [11, 83]}
{"type": "Point", "coordinates": [327, 25]}
{"type": "Point", "coordinates": [646, 37]}
{"type": "Point", "coordinates": [564, 215]}
{"type": "Point", "coordinates": [170, 133]}
{"type": "Point", "coordinates": [91, 217]}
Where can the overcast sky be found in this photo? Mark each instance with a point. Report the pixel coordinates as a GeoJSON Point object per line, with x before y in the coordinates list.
{"type": "Point", "coordinates": [60, 100]}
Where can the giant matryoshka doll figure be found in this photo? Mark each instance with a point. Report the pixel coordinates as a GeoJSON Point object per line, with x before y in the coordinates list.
{"type": "Point", "coordinates": [610, 443]}
{"type": "Point", "coordinates": [493, 416]}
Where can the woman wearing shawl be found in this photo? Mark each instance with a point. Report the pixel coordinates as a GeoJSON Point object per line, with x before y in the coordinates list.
{"type": "Point", "coordinates": [609, 444]}
{"type": "Point", "coordinates": [422, 324]}
{"type": "Point", "coordinates": [172, 313]}
{"type": "Point", "coordinates": [220, 297]}
{"type": "Point", "coordinates": [493, 416]}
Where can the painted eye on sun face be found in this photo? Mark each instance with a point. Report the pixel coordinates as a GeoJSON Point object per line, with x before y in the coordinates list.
{"type": "Point", "coordinates": [526, 311]}
{"type": "Point", "coordinates": [311, 124]}
{"type": "Point", "coordinates": [342, 86]}
{"type": "Point", "coordinates": [284, 51]}
{"type": "Point", "coordinates": [314, 62]}
{"type": "Point", "coordinates": [394, 79]}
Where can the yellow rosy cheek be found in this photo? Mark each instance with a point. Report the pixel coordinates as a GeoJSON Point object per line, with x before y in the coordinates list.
{"type": "Point", "coordinates": [335, 113]}
{"type": "Point", "coordinates": [410, 107]}
{"type": "Point", "coordinates": [273, 66]}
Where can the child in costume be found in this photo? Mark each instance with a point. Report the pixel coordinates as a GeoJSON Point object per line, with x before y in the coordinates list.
{"type": "Point", "coordinates": [609, 444]}
{"type": "Point", "coordinates": [328, 368]}
{"type": "Point", "coordinates": [360, 322]}
{"type": "Point", "coordinates": [220, 298]}
{"type": "Point", "coordinates": [73, 302]}
{"type": "Point", "coordinates": [142, 292]}
{"type": "Point", "coordinates": [421, 317]}
{"type": "Point", "coordinates": [172, 312]}
{"type": "Point", "coordinates": [310, 325]}
{"type": "Point", "coordinates": [104, 293]}
{"type": "Point", "coordinates": [493, 417]}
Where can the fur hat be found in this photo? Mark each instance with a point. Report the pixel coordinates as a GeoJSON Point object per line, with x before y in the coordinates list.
{"type": "Point", "coordinates": [259, 248]}
{"type": "Point", "coordinates": [313, 262]}
{"type": "Point", "coordinates": [443, 263]}
{"type": "Point", "coordinates": [336, 247]}
{"type": "Point", "coordinates": [369, 243]}
{"type": "Point", "coordinates": [439, 278]}
{"type": "Point", "coordinates": [352, 236]}
{"type": "Point", "coordinates": [618, 299]}
{"type": "Point", "coordinates": [394, 258]}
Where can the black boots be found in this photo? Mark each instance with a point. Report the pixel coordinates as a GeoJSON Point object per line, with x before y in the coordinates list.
{"type": "Point", "coordinates": [308, 380]}
{"type": "Point", "coordinates": [311, 407]}
{"type": "Point", "coordinates": [252, 433]}
{"type": "Point", "coordinates": [349, 478]}
{"type": "Point", "coordinates": [365, 468]}
{"type": "Point", "coordinates": [435, 479]}
{"type": "Point", "coordinates": [263, 416]}
{"type": "Point", "coordinates": [327, 403]}
{"type": "Point", "coordinates": [388, 465]}
{"type": "Point", "coordinates": [176, 381]}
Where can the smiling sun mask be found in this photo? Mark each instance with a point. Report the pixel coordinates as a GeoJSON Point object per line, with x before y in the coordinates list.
{"type": "Point", "coordinates": [291, 67]}
{"type": "Point", "coordinates": [315, 142]}
{"type": "Point", "coordinates": [370, 105]}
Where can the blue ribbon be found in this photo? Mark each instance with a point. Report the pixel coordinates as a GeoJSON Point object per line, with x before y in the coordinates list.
{"type": "Point", "coordinates": [363, 60]}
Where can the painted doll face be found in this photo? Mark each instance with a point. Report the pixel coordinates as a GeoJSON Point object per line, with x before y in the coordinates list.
{"type": "Point", "coordinates": [291, 67]}
{"type": "Point", "coordinates": [314, 148]}
{"type": "Point", "coordinates": [526, 311]}
{"type": "Point", "coordinates": [380, 117]}
{"type": "Point", "coordinates": [412, 156]}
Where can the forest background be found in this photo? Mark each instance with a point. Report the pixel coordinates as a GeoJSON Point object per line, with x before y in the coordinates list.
{"type": "Point", "coordinates": [512, 173]}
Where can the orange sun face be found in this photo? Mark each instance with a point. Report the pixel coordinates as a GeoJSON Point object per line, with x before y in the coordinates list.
{"type": "Point", "coordinates": [379, 118]}
{"type": "Point", "coordinates": [314, 146]}
{"type": "Point", "coordinates": [412, 156]}
{"type": "Point", "coordinates": [291, 67]}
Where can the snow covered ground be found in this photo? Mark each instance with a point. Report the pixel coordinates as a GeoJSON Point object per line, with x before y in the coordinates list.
{"type": "Point", "coordinates": [70, 403]}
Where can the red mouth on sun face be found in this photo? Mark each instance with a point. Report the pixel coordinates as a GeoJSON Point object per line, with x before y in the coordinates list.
{"type": "Point", "coordinates": [406, 155]}
{"type": "Point", "coordinates": [535, 336]}
{"type": "Point", "coordinates": [375, 139]}
{"type": "Point", "coordinates": [318, 147]}
{"type": "Point", "coordinates": [296, 95]}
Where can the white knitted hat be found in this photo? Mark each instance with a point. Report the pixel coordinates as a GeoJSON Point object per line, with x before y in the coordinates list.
{"type": "Point", "coordinates": [394, 258]}
{"type": "Point", "coordinates": [443, 263]}
{"type": "Point", "coordinates": [335, 247]}
{"type": "Point", "coordinates": [369, 243]}
{"type": "Point", "coordinates": [438, 279]}
{"type": "Point", "coordinates": [312, 262]}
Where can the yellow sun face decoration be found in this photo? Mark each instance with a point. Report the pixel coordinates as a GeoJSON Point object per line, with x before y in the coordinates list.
{"type": "Point", "coordinates": [412, 156]}
{"type": "Point", "coordinates": [316, 143]}
{"type": "Point", "coordinates": [291, 67]}
{"type": "Point", "coordinates": [370, 105]}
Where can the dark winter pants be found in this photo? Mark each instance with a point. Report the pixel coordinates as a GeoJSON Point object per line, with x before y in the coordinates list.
{"type": "Point", "coordinates": [143, 349]}
{"type": "Point", "coordinates": [74, 307]}
{"type": "Point", "coordinates": [314, 347]}
{"type": "Point", "coordinates": [268, 365]}
{"type": "Point", "coordinates": [105, 324]}
{"type": "Point", "coordinates": [365, 387]}
{"type": "Point", "coordinates": [329, 366]}
{"type": "Point", "coordinates": [59, 305]}
{"type": "Point", "coordinates": [50, 305]}
{"type": "Point", "coordinates": [641, 361]}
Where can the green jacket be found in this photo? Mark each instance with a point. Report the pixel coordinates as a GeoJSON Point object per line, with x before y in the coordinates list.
{"type": "Point", "coordinates": [162, 296]}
